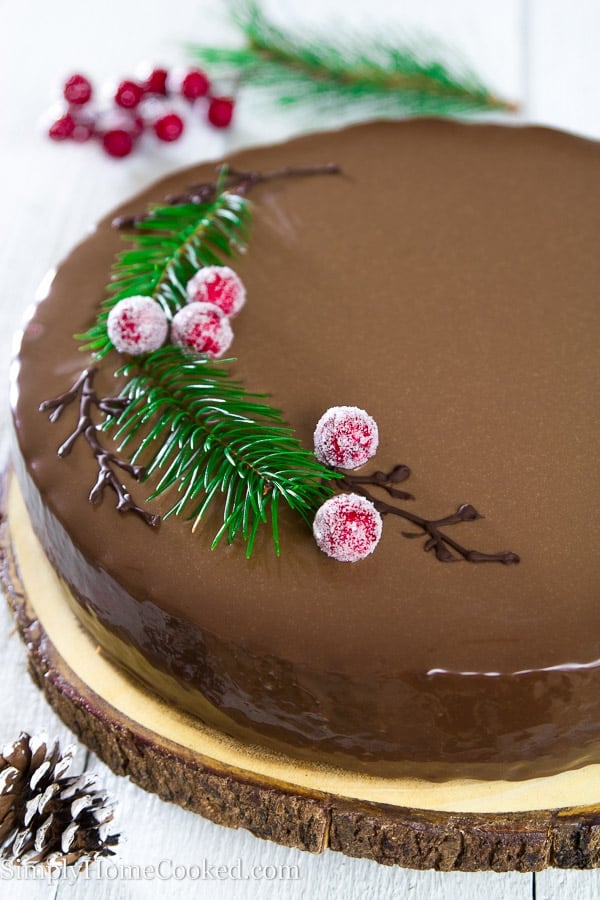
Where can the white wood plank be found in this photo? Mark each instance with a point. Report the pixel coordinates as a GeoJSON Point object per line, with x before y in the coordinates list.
{"type": "Point", "coordinates": [158, 831]}
{"type": "Point", "coordinates": [559, 884]}
{"type": "Point", "coordinates": [564, 64]}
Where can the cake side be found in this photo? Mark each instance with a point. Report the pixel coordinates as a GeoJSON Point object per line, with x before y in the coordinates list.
{"type": "Point", "coordinates": [435, 726]}
{"type": "Point", "coordinates": [450, 267]}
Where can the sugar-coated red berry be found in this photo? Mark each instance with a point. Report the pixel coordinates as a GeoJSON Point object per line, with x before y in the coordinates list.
{"type": "Point", "coordinates": [347, 527]}
{"type": "Point", "coordinates": [137, 325]}
{"type": "Point", "coordinates": [194, 84]}
{"type": "Point", "coordinates": [219, 285]}
{"type": "Point", "coordinates": [203, 328]}
{"type": "Point", "coordinates": [118, 142]}
{"type": "Point", "coordinates": [220, 111]}
{"type": "Point", "coordinates": [168, 127]}
{"type": "Point", "coordinates": [63, 128]}
{"type": "Point", "coordinates": [77, 90]}
{"type": "Point", "coordinates": [346, 437]}
{"type": "Point", "coordinates": [156, 83]}
{"type": "Point", "coordinates": [129, 94]}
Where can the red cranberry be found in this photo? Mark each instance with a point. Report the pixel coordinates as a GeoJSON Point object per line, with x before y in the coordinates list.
{"type": "Point", "coordinates": [220, 111]}
{"type": "Point", "coordinates": [77, 90]}
{"type": "Point", "coordinates": [117, 142]}
{"type": "Point", "coordinates": [62, 129]}
{"type": "Point", "coordinates": [129, 94]}
{"type": "Point", "coordinates": [195, 84]}
{"type": "Point", "coordinates": [156, 83]}
{"type": "Point", "coordinates": [169, 127]}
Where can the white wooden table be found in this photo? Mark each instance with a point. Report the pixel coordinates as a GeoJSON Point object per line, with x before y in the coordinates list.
{"type": "Point", "coordinates": [543, 53]}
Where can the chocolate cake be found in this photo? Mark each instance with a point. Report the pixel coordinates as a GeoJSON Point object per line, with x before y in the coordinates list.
{"type": "Point", "coordinates": [445, 281]}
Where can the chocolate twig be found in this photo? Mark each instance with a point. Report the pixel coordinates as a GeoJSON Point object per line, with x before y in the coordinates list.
{"type": "Point", "coordinates": [437, 540]}
{"type": "Point", "coordinates": [83, 388]}
{"type": "Point", "coordinates": [229, 179]}
{"type": "Point", "coordinates": [243, 181]}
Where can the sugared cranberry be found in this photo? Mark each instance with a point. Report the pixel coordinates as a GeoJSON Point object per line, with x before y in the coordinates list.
{"type": "Point", "coordinates": [156, 83]}
{"type": "Point", "coordinates": [220, 111]}
{"type": "Point", "coordinates": [62, 128]}
{"type": "Point", "coordinates": [168, 127]}
{"type": "Point", "coordinates": [202, 328]}
{"type": "Point", "coordinates": [129, 94]}
{"type": "Point", "coordinates": [77, 90]}
{"type": "Point", "coordinates": [219, 285]}
{"type": "Point", "coordinates": [137, 325]}
{"type": "Point", "coordinates": [347, 527]}
{"type": "Point", "coordinates": [346, 436]}
{"type": "Point", "coordinates": [194, 84]}
{"type": "Point", "coordinates": [117, 142]}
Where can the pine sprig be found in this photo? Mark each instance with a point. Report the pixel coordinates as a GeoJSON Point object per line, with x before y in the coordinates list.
{"type": "Point", "coordinates": [169, 246]}
{"type": "Point", "coordinates": [210, 438]}
{"type": "Point", "coordinates": [182, 414]}
{"type": "Point", "coordinates": [382, 74]}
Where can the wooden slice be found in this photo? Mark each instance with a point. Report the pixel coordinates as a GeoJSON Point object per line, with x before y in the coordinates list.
{"type": "Point", "coordinates": [461, 825]}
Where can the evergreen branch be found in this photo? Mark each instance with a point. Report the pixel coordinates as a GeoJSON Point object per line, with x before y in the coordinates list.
{"type": "Point", "coordinates": [169, 247]}
{"type": "Point", "coordinates": [210, 438]}
{"type": "Point", "coordinates": [383, 74]}
{"type": "Point", "coordinates": [182, 413]}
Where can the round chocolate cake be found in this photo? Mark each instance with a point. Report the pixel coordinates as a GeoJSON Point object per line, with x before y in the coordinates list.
{"type": "Point", "coordinates": [445, 281]}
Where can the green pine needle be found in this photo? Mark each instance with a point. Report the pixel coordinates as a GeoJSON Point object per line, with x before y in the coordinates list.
{"type": "Point", "coordinates": [168, 249]}
{"type": "Point", "coordinates": [382, 74]}
{"type": "Point", "coordinates": [210, 440]}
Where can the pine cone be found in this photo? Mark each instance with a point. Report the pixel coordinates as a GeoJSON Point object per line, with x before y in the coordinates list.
{"type": "Point", "coordinates": [46, 816]}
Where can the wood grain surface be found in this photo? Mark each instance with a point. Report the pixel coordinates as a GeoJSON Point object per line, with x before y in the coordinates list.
{"type": "Point", "coordinates": [542, 52]}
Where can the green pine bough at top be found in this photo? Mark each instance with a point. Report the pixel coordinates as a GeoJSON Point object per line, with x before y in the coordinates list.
{"type": "Point", "coordinates": [328, 70]}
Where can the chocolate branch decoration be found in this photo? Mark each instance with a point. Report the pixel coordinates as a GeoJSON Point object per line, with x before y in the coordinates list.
{"type": "Point", "coordinates": [83, 388]}
{"type": "Point", "coordinates": [229, 179]}
{"type": "Point", "coordinates": [437, 540]}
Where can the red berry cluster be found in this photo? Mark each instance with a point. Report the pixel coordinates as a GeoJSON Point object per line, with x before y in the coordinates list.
{"type": "Point", "coordinates": [346, 527]}
{"type": "Point", "coordinates": [138, 324]}
{"type": "Point", "coordinates": [137, 108]}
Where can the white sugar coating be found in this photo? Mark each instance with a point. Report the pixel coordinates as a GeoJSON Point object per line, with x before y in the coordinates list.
{"type": "Point", "coordinates": [219, 285]}
{"type": "Point", "coordinates": [203, 328]}
{"type": "Point", "coordinates": [346, 437]}
{"type": "Point", "coordinates": [137, 325]}
{"type": "Point", "coordinates": [347, 527]}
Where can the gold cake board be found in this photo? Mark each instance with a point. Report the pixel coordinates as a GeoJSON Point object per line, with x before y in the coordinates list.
{"type": "Point", "coordinates": [466, 825]}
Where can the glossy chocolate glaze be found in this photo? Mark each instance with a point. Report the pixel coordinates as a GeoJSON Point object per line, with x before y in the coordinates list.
{"type": "Point", "coordinates": [447, 283]}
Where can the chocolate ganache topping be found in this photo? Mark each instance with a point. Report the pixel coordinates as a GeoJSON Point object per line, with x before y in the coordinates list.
{"type": "Point", "coordinates": [446, 282]}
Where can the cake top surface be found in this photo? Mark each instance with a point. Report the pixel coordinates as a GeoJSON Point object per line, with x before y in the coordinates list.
{"type": "Point", "coordinates": [445, 282]}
